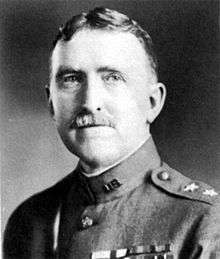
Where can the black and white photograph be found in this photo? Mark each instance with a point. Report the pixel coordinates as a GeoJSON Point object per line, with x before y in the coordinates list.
{"type": "Point", "coordinates": [110, 129]}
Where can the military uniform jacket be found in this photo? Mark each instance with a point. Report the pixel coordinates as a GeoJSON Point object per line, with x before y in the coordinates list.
{"type": "Point", "coordinates": [140, 209]}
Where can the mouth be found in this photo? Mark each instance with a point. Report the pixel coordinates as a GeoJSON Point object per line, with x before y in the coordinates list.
{"type": "Point", "coordinates": [91, 126]}
{"type": "Point", "coordinates": [85, 123]}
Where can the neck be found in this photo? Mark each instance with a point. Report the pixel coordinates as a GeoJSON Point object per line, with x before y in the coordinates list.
{"type": "Point", "coordinates": [91, 172]}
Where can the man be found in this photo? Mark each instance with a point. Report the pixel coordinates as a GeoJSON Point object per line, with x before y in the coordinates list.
{"type": "Point", "coordinates": [121, 201]}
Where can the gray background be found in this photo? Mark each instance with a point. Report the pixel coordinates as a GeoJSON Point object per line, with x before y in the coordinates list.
{"type": "Point", "coordinates": [186, 39]}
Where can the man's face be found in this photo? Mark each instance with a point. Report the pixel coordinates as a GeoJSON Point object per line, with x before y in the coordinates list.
{"type": "Point", "coordinates": [99, 90]}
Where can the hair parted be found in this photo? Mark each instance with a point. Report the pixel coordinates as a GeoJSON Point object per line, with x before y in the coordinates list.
{"type": "Point", "coordinates": [106, 19]}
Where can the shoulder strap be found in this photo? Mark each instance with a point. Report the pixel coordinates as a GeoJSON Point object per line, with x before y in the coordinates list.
{"type": "Point", "coordinates": [177, 184]}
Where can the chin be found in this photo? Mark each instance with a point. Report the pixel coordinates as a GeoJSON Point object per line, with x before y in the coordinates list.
{"type": "Point", "coordinates": [102, 153]}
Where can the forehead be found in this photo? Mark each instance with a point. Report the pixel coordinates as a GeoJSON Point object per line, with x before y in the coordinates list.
{"type": "Point", "coordinates": [94, 48]}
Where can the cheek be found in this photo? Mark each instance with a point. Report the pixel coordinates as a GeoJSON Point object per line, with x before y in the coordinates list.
{"type": "Point", "coordinates": [64, 107]}
{"type": "Point", "coordinates": [139, 88]}
{"type": "Point", "coordinates": [126, 107]}
{"type": "Point", "coordinates": [144, 106]}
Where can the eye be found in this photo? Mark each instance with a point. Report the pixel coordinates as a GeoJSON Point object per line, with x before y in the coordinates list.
{"type": "Point", "coordinates": [113, 78]}
{"type": "Point", "coordinates": [72, 80]}
{"type": "Point", "coordinates": [69, 79]}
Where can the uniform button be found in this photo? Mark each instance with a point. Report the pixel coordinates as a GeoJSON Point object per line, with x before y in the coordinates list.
{"type": "Point", "coordinates": [164, 176]}
{"type": "Point", "coordinates": [86, 222]}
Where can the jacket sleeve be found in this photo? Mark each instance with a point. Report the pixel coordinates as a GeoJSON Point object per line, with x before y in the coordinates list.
{"type": "Point", "coordinates": [17, 235]}
{"type": "Point", "coordinates": [29, 232]}
{"type": "Point", "coordinates": [207, 237]}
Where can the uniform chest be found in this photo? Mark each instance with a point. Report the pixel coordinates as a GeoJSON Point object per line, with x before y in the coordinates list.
{"type": "Point", "coordinates": [139, 218]}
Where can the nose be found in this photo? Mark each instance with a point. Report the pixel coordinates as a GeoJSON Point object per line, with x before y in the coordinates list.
{"type": "Point", "coordinates": [92, 96]}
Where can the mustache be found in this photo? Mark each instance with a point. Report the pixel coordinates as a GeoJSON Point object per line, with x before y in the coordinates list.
{"type": "Point", "coordinates": [87, 119]}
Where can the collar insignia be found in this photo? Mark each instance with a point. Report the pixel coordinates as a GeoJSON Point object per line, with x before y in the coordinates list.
{"type": "Point", "coordinates": [210, 192]}
{"type": "Point", "coordinates": [191, 187]}
{"type": "Point", "coordinates": [114, 184]}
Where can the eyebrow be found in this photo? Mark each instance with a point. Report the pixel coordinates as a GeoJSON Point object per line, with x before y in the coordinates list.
{"type": "Point", "coordinates": [107, 69]}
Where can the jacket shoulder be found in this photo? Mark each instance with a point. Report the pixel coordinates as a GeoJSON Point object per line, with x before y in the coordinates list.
{"type": "Point", "coordinates": [36, 214]}
{"type": "Point", "coordinates": [44, 201]}
{"type": "Point", "coordinates": [175, 183]}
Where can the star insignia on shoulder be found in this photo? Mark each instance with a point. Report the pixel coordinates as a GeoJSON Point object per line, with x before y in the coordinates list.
{"type": "Point", "coordinates": [210, 192]}
{"type": "Point", "coordinates": [191, 187]}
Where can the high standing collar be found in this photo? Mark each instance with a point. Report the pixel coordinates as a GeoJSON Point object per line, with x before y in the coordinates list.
{"type": "Point", "coordinates": [125, 176]}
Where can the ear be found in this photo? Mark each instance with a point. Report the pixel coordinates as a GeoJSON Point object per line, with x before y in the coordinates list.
{"type": "Point", "coordinates": [50, 103]}
{"type": "Point", "coordinates": [157, 97]}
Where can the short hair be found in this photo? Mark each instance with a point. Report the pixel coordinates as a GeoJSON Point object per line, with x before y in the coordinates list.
{"type": "Point", "coordinates": [106, 19]}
